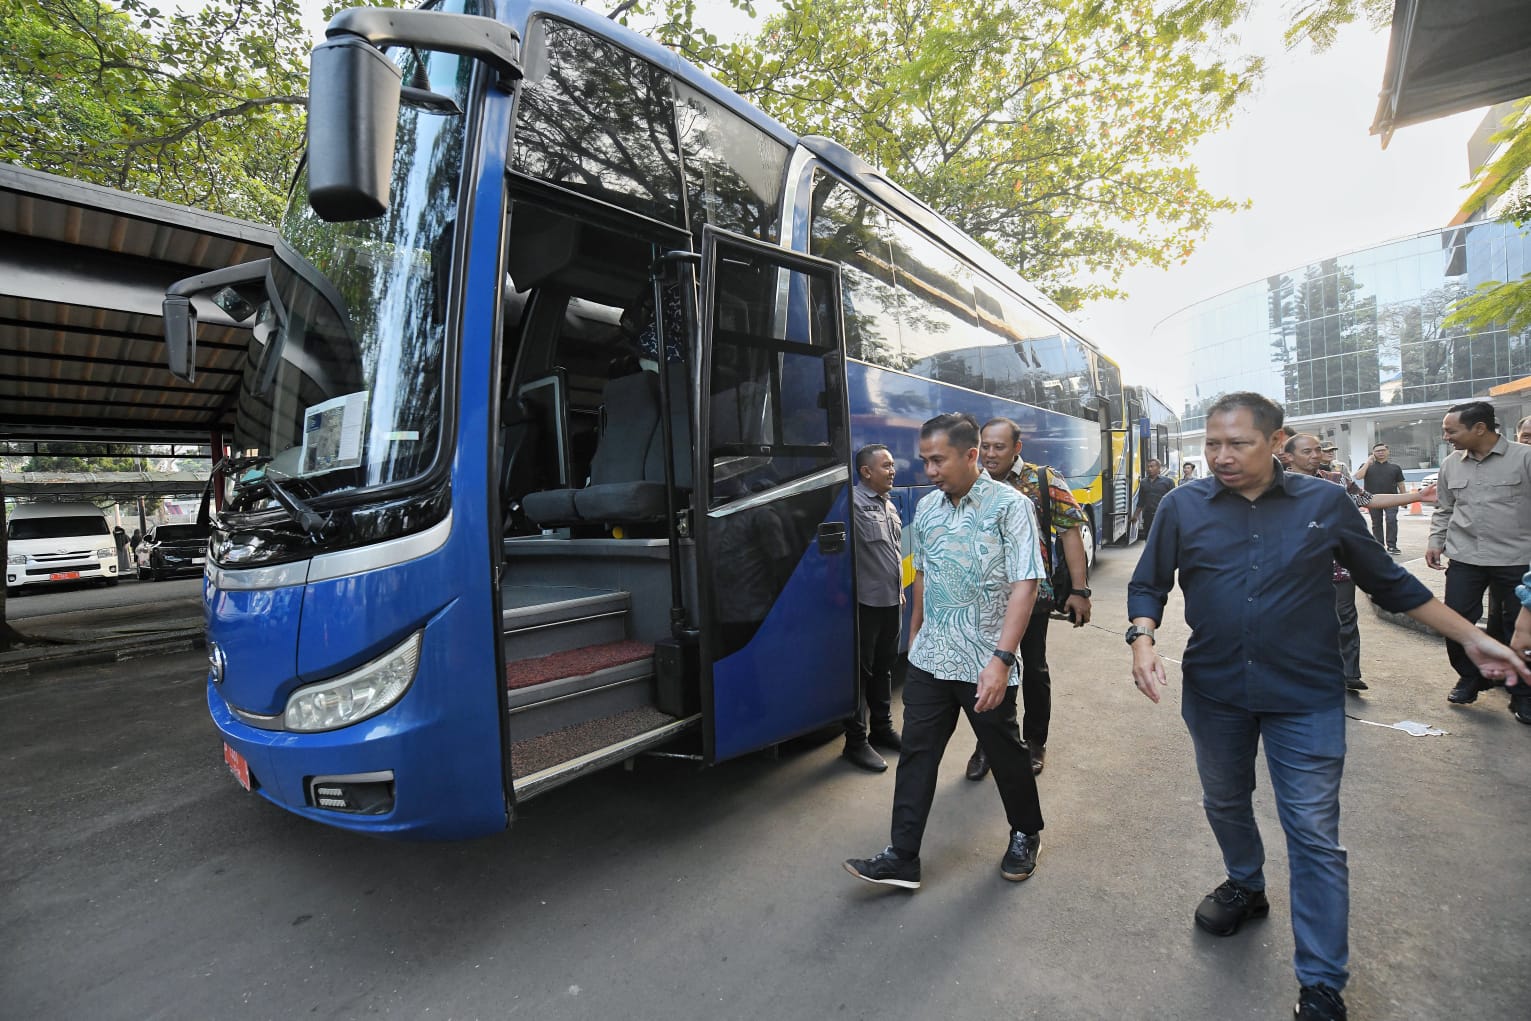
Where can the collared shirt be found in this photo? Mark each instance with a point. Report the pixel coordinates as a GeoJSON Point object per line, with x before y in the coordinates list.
{"type": "Point", "coordinates": [1151, 491]}
{"type": "Point", "coordinates": [879, 560]}
{"type": "Point", "coordinates": [1483, 507]}
{"type": "Point", "coordinates": [1383, 477]}
{"type": "Point", "coordinates": [1358, 496]}
{"type": "Point", "coordinates": [1066, 513]}
{"type": "Point", "coordinates": [1258, 591]}
{"type": "Point", "coordinates": [971, 553]}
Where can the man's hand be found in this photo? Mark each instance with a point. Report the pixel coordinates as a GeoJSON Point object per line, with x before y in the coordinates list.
{"type": "Point", "coordinates": [1147, 669]}
{"type": "Point", "coordinates": [1498, 662]}
{"type": "Point", "coordinates": [1426, 495]}
{"type": "Point", "coordinates": [991, 686]}
{"type": "Point", "coordinates": [1433, 559]}
{"type": "Point", "coordinates": [1521, 640]}
{"type": "Point", "coordinates": [1078, 607]}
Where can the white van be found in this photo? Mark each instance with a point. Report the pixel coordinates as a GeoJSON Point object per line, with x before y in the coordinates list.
{"type": "Point", "coordinates": [58, 542]}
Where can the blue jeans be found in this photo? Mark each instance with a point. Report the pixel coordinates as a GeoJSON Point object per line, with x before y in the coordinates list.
{"type": "Point", "coordinates": [1305, 753]}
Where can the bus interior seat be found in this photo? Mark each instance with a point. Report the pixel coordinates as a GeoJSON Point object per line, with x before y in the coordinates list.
{"type": "Point", "coordinates": [520, 436]}
{"type": "Point", "coordinates": [627, 471]}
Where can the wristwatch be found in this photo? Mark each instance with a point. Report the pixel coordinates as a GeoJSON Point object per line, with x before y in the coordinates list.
{"type": "Point", "coordinates": [1007, 658]}
{"type": "Point", "coordinates": [1135, 632]}
{"type": "Point", "coordinates": [1080, 592]}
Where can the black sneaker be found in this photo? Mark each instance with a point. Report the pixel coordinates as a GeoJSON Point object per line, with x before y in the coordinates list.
{"type": "Point", "coordinates": [1229, 906]}
{"type": "Point", "coordinates": [1319, 1003]}
{"type": "Point", "coordinates": [886, 869]}
{"type": "Point", "coordinates": [1020, 859]}
{"type": "Point", "coordinates": [1464, 693]}
{"type": "Point", "coordinates": [1394, 549]}
{"type": "Point", "coordinates": [1520, 705]}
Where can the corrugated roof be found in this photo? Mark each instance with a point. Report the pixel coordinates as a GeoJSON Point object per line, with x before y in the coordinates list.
{"type": "Point", "coordinates": [82, 272]}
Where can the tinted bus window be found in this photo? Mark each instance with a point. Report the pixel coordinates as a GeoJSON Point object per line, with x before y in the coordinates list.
{"type": "Point", "coordinates": [849, 230]}
{"type": "Point", "coordinates": [1076, 390]}
{"type": "Point", "coordinates": [1021, 368]}
{"type": "Point", "coordinates": [938, 323]}
{"type": "Point", "coordinates": [598, 120]}
{"type": "Point", "coordinates": [1111, 389]}
{"type": "Point", "coordinates": [733, 169]}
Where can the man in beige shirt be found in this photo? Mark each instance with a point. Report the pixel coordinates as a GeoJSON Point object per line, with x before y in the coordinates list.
{"type": "Point", "coordinates": [1482, 523]}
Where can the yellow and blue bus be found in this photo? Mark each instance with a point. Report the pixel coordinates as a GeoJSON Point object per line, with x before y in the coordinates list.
{"type": "Point", "coordinates": [541, 454]}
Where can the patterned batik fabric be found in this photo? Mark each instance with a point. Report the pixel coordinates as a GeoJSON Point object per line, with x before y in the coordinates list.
{"type": "Point", "coordinates": [1066, 512]}
{"type": "Point", "coordinates": [970, 552]}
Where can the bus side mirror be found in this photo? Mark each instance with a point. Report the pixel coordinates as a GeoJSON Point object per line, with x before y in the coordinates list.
{"type": "Point", "coordinates": [180, 336]}
{"type": "Point", "coordinates": [353, 120]}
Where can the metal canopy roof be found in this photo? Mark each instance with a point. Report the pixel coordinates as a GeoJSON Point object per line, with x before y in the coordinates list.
{"type": "Point", "coordinates": [82, 272]}
{"type": "Point", "coordinates": [1446, 56]}
{"type": "Point", "coordinates": [75, 485]}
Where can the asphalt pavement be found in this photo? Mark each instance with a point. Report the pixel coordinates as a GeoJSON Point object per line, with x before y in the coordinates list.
{"type": "Point", "coordinates": [138, 881]}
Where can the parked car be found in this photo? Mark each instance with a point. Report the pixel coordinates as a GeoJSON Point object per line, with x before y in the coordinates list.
{"type": "Point", "coordinates": [48, 543]}
{"type": "Point", "coordinates": [171, 550]}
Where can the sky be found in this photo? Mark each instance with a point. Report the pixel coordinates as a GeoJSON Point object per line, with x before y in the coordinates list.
{"type": "Point", "coordinates": [1299, 151]}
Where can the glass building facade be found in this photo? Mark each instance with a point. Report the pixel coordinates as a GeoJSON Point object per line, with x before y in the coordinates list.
{"type": "Point", "coordinates": [1361, 335]}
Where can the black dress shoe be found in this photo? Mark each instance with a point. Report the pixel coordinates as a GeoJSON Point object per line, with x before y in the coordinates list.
{"type": "Point", "coordinates": [1464, 693]}
{"type": "Point", "coordinates": [1038, 758]}
{"type": "Point", "coordinates": [886, 738]}
{"type": "Point", "coordinates": [1520, 705]}
{"type": "Point", "coordinates": [1355, 684]}
{"type": "Point", "coordinates": [861, 755]}
{"type": "Point", "coordinates": [978, 765]}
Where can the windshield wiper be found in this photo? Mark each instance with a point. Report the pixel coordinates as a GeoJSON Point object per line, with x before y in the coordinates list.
{"type": "Point", "coordinates": [312, 522]}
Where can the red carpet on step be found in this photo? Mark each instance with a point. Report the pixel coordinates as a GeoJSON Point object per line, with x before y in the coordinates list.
{"type": "Point", "coordinates": [574, 663]}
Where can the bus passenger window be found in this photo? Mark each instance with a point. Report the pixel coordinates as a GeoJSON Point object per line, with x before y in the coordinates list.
{"type": "Point", "coordinates": [733, 169]}
{"type": "Point", "coordinates": [938, 322]}
{"type": "Point", "coordinates": [849, 230]}
{"type": "Point", "coordinates": [597, 120]}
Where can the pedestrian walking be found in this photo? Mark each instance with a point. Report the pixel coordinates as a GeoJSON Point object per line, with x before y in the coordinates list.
{"type": "Point", "coordinates": [1304, 453]}
{"type": "Point", "coordinates": [1253, 546]}
{"type": "Point", "coordinates": [1151, 491]}
{"type": "Point", "coordinates": [879, 599]}
{"type": "Point", "coordinates": [977, 562]}
{"type": "Point", "coordinates": [1057, 513]}
{"type": "Point", "coordinates": [1383, 477]}
{"type": "Point", "coordinates": [1482, 524]}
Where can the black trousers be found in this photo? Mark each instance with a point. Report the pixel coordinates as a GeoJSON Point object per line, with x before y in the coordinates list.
{"type": "Point", "coordinates": [1465, 585]}
{"type": "Point", "coordinates": [1386, 520]}
{"type": "Point", "coordinates": [931, 707]}
{"type": "Point", "coordinates": [1036, 682]}
{"type": "Point", "coordinates": [879, 627]}
{"type": "Point", "coordinates": [1350, 634]}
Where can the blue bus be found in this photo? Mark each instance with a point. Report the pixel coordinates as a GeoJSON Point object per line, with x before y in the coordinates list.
{"type": "Point", "coordinates": [540, 454]}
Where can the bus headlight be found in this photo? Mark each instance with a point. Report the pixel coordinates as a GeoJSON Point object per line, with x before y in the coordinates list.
{"type": "Point", "coordinates": [16, 559]}
{"type": "Point", "coordinates": [351, 698]}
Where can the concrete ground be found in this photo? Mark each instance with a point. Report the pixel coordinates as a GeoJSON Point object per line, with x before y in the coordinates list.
{"type": "Point", "coordinates": [138, 881]}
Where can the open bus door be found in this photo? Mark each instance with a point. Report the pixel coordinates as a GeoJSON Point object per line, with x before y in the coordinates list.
{"type": "Point", "coordinates": [776, 571]}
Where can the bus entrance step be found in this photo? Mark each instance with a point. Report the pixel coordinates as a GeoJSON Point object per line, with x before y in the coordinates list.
{"type": "Point", "coordinates": [542, 619]}
{"type": "Point", "coordinates": [567, 745]}
{"type": "Point", "coordinates": [575, 663]}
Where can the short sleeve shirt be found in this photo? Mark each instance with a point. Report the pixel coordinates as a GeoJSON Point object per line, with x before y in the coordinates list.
{"type": "Point", "coordinates": [879, 562]}
{"type": "Point", "coordinates": [1065, 510]}
{"type": "Point", "coordinates": [970, 553]}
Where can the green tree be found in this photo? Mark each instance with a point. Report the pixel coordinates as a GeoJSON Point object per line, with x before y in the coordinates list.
{"type": "Point", "coordinates": [1056, 132]}
{"type": "Point", "coordinates": [1503, 184]}
{"type": "Point", "coordinates": [202, 106]}
{"type": "Point", "coordinates": [1318, 22]}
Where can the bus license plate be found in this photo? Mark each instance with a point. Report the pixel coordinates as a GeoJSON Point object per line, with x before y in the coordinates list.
{"type": "Point", "coordinates": [237, 765]}
{"type": "Point", "coordinates": [64, 576]}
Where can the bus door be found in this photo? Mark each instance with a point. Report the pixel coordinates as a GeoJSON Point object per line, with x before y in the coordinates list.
{"type": "Point", "coordinates": [777, 607]}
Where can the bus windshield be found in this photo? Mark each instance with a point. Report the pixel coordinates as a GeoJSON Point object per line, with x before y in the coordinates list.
{"type": "Point", "coordinates": [346, 375]}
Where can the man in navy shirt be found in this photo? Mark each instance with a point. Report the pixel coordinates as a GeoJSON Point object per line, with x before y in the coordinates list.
{"type": "Point", "coordinates": [1254, 546]}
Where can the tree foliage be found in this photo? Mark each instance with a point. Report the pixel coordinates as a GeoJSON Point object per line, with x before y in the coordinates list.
{"type": "Point", "coordinates": [1318, 22]}
{"type": "Point", "coordinates": [1503, 184]}
{"type": "Point", "coordinates": [1056, 132]}
{"type": "Point", "coordinates": [201, 106]}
